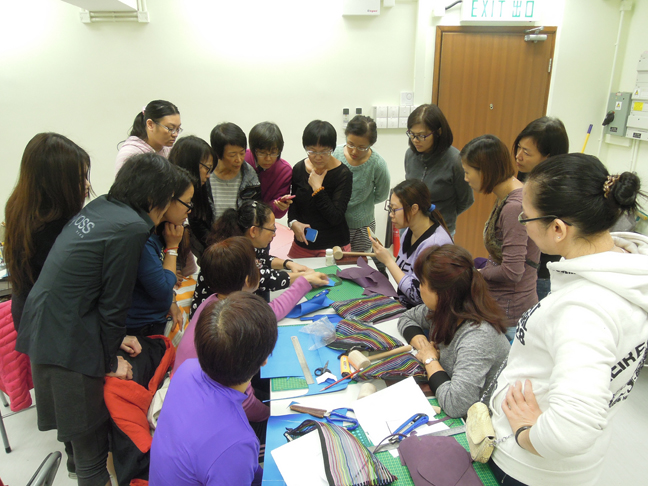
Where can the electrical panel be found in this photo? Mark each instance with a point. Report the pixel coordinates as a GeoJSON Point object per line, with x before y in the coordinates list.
{"type": "Point", "coordinates": [619, 105]}
{"type": "Point", "coordinates": [638, 119]}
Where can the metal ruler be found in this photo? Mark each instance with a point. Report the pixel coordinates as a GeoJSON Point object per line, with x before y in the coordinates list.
{"type": "Point", "coordinates": [445, 432]}
{"type": "Point", "coordinates": [302, 360]}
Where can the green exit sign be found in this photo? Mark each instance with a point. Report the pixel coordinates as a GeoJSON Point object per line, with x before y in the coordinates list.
{"type": "Point", "coordinates": [500, 10]}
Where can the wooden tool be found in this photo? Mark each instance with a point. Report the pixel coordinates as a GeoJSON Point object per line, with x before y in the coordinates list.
{"type": "Point", "coordinates": [302, 360]}
{"type": "Point", "coordinates": [338, 254]}
{"type": "Point", "coordinates": [364, 361]}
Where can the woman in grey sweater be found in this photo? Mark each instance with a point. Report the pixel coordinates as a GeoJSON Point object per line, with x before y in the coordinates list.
{"type": "Point", "coordinates": [458, 331]}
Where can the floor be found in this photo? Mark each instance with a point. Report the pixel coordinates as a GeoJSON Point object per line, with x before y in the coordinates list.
{"type": "Point", "coordinates": [628, 451]}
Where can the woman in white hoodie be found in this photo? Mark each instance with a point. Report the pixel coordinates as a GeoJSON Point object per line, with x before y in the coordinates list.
{"type": "Point", "coordinates": [578, 352]}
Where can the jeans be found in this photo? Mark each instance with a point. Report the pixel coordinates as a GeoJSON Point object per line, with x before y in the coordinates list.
{"type": "Point", "coordinates": [90, 455]}
{"type": "Point", "coordinates": [543, 287]}
{"type": "Point", "coordinates": [501, 477]}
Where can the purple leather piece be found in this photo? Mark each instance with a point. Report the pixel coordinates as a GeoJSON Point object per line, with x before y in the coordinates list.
{"type": "Point", "coordinates": [437, 461]}
{"type": "Point", "coordinates": [368, 278]}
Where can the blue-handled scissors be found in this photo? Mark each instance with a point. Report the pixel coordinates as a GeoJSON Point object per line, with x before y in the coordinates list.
{"type": "Point", "coordinates": [332, 417]}
{"type": "Point", "coordinates": [410, 424]}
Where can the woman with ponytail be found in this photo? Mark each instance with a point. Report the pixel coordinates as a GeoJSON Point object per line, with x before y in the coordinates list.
{"type": "Point", "coordinates": [155, 129]}
{"type": "Point", "coordinates": [577, 353]}
{"type": "Point", "coordinates": [458, 330]}
{"type": "Point", "coordinates": [410, 207]}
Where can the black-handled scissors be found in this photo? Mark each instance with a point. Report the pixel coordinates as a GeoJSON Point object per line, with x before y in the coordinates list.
{"type": "Point", "coordinates": [322, 370]}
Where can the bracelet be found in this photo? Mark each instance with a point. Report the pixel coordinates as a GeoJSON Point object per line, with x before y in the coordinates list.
{"type": "Point", "coordinates": [519, 431]}
{"type": "Point", "coordinates": [285, 263]}
{"type": "Point", "coordinates": [320, 189]}
{"type": "Point", "coordinates": [166, 250]}
{"type": "Point", "coordinates": [171, 252]}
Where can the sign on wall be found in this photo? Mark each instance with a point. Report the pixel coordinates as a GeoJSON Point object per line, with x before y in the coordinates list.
{"type": "Point", "coordinates": [500, 10]}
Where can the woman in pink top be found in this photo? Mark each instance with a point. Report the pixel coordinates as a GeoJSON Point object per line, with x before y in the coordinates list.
{"type": "Point", "coordinates": [230, 266]}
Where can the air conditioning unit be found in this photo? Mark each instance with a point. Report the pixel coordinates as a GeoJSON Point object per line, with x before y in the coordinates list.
{"type": "Point", "coordinates": [111, 10]}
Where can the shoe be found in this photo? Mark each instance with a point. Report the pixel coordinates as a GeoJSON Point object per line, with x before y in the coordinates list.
{"type": "Point", "coordinates": [72, 475]}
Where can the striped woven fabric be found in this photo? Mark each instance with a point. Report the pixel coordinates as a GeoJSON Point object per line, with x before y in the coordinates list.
{"type": "Point", "coordinates": [399, 366]}
{"type": "Point", "coordinates": [369, 309]}
{"type": "Point", "coordinates": [346, 461]}
{"type": "Point", "coordinates": [350, 333]}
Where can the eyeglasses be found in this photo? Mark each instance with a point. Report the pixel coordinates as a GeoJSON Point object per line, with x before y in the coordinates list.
{"type": "Point", "coordinates": [271, 230]}
{"type": "Point", "coordinates": [266, 155]}
{"type": "Point", "coordinates": [209, 169]}
{"type": "Point", "coordinates": [312, 153]}
{"type": "Point", "coordinates": [390, 209]}
{"type": "Point", "coordinates": [172, 131]}
{"type": "Point", "coordinates": [523, 220]}
{"type": "Point", "coordinates": [189, 206]}
{"type": "Point", "coordinates": [418, 137]}
{"type": "Point", "coordinates": [354, 147]}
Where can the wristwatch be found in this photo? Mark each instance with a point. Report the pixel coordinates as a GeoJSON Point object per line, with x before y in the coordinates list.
{"type": "Point", "coordinates": [429, 360]}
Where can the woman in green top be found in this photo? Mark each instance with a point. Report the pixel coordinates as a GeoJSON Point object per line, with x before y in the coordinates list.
{"type": "Point", "coordinates": [371, 180]}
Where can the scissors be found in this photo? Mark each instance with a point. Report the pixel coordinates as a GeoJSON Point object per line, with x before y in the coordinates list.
{"type": "Point", "coordinates": [410, 424]}
{"type": "Point", "coordinates": [322, 370]}
{"type": "Point", "coordinates": [331, 417]}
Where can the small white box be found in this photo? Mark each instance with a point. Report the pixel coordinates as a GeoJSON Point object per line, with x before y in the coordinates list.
{"type": "Point", "coordinates": [381, 122]}
{"type": "Point", "coordinates": [402, 122]}
{"type": "Point", "coordinates": [380, 111]}
{"type": "Point", "coordinates": [404, 111]}
{"type": "Point", "coordinates": [392, 112]}
{"type": "Point", "coordinates": [392, 122]}
{"type": "Point", "coordinates": [361, 7]}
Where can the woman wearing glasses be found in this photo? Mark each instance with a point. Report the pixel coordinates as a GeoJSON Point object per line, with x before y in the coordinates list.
{"type": "Point", "coordinates": [576, 354]}
{"type": "Point", "coordinates": [197, 157]}
{"type": "Point", "coordinates": [370, 179]}
{"type": "Point", "coordinates": [155, 129]}
{"type": "Point", "coordinates": [431, 158]}
{"type": "Point", "coordinates": [274, 173]}
{"type": "Point", "coordinates": [255, 221]}
{"type": "Point", "coordinates": [511, 267]}
{"type": "Point", "coordinates": [322, 187]}
{"type": "Point", "coordinates": [411, 209]}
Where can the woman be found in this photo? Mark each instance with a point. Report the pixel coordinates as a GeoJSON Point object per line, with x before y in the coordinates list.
{"type": "Point", "coordinates": [371, 180]}
{"type": "Point", "coordinates": [205, 398]}
{"type": "Point", "coordinates": [73, 322]}
{"type": "Point", "coordinates": [511, 267]}
{"type": "Point", "coordinates": [577, 354]}
{"type": "Point", "coordinates": [274, 173]}
{"type": "Point", "coordinates": [540, 139]}
{"type": "Point", "coordinates": [197, 157]}
{"type": "Point", "coordinates": [410, 208]}
{"type": "Point", "coordinates": [255, 221]}
{"type": "Point", "coordinates": [153, 296]}
{"type": "Point", "coordinates": [230, 266]}
{"type": "Point", "coordinates": [233, 181]}
{"type": "Point", "coordinates": [432, 159]}
{"type": "Point", "coordinates": [458, 331]}
{"type": "Point", "coordinates": [155, 129]}
{"type": "Point", "coordinates": [322, 187]}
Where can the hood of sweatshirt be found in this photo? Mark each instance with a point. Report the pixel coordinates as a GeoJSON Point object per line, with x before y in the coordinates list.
{"type": "Point", "coordinates": [626, 274]}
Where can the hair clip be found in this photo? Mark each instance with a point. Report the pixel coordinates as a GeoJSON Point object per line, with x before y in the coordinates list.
{"type": "Point", "coordinates": [432, 207]}
{"type": "Point", "coordinates": [607, 185]}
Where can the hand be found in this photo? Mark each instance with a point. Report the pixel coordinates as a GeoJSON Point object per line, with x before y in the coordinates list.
{"type": "Point", "coordinates": [521, 408]}
{"type": "Point", "coordinates": [124, 370]}
{"type": "Point", "coordinates": [316, 180]}
{"type": "Point", "coordinates": [428, 350]}
{"type": "Point", "coordinates": [296, 267]}
{"type": "Point", "coordinates": [316, 279]}
{"type": "Point", "coordinates": [382, 253]}
{"type": "Point", "coordinates": [172, 234]}
{"type": "Point", "coordinates": [176, 314]}
{"type": "Point", "coordinates": [131, 345]}
{"type": "Point", "coordinates": [282, 205]}
{"type": "Point", "coordinates": [419, 341]}
{"type": "Point", "coordinates": [298, 229]}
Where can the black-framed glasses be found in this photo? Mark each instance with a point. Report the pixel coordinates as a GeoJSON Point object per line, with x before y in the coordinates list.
{"type": "Point", "coordinates": [355, 147]}
{"type": "Point", "coordinates": [267, 155]}
{"type": "Point", "coordinates": [172, 131]}
{"type": "Point", "coordinates": [271, 230]}
{"type": "Point", "coordinates": [210, 170]}
{"type": "Point", "coordinates": [325, 153]}
{"type": "Point", "coordinates": [390, 209]}
{"type": "Point", "coordinates": [189, 206]}
{"type": "Point", "coordinates": [523, 220]}
{"type": "Point", "coordinates": [418, 137]}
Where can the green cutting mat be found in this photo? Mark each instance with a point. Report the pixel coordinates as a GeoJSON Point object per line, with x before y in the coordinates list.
{"type": "Point", "coordinates": [347, 290]}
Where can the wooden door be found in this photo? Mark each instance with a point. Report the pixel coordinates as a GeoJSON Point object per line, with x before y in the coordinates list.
{"type": "Point", "coordinates": [489, 80]}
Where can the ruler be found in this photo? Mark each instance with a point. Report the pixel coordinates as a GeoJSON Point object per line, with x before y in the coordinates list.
{"type": "Point", "coordinates": [445, 432]}
{"type": "Point", "coordinates": [302, 360]}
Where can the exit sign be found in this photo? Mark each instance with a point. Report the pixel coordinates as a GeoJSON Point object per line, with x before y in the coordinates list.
{"type": "Point", "coordinates": [500, 10]}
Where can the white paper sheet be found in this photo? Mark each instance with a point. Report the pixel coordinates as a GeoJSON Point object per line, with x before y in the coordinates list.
{"type": "Point", "coordinates": [301, 462]}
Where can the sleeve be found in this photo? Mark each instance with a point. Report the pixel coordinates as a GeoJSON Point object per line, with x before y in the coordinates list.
{"type": "Point", "coordinates": [282, 183]}
{"type": "Point", "coordinates": [283, 304]}
{"type": "Point", "coordinates": [514, 247]}
{"type": "Point", "coordinates": [293, 210]}
{"type": "Point", "coordinates": [254, 409]}
{"type": "Point", "coordinates": [578, 394]}
{"type": "Point", "coordinates": [464, 194]}
{"type": "Point", "coordinates": [333, 208]}
{"type": "Point", "coordinates": [238, 465]}
{"type": "Point", "coordinates": [121, 257]}
{"type": "Point", "coordinates": [413, 322]}
{"type": "Point", "coordinates": [200, 230]}
{"type": "Point", "coordinates": [157, 281]}
{"type": "Point", "coordinates": [382, 181]}
{"type": "Point", "coordinates": [124, 154]}
{"type": "Point", "coordinates": [473, 360]}
{"type": "Point", "coordinates": [273, 279]}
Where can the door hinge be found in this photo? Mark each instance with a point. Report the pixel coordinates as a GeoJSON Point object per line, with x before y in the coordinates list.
{"type": "Point", "coordinates": [550, 63]}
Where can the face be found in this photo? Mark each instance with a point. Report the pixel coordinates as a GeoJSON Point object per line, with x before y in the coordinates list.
{"type": "Point", "coordinates": [422, 130]}
{"type": "Point", "coordinates": [319, 161]}
{"type": "Point", "coordinates": [265, 158]}
{"type": "Point", "coordinates": [205, 168]}
{"type": "Point", "coordinates": [357, 147]}
{"type": "Point", "coordinates": [527, 155]}
{"type": "Point", "coordinates": [429, 297]}
{"type": "Point", "coordinates": [164, 132]}
{"type": "Point", "coordinates": [472, 176]}
{"type": "Point", "coordinates": [178, 210]}
{"type": "Point", "coordinates": [263, 235]}
{"type": "Point", "coordinates": [536, 230]}
{"type": "Point", "coordinates": [233, 157]}
{"type": "Point", "coordinates": [397, 214]}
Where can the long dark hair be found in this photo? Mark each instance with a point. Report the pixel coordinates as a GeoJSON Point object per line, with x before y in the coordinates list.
{"type": "Point", "coordinates": [155, 110]}
{"type": "Point", "coordinates": [549, 135]}
{"type": "Point", "coordinates": [51, 186]}
{"type": "Point", "coordinates": [235, 222]}
{"type": "Point", "coordinates": [462, 292]}
{"type": "Point", "coordinates": [413, 191]}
